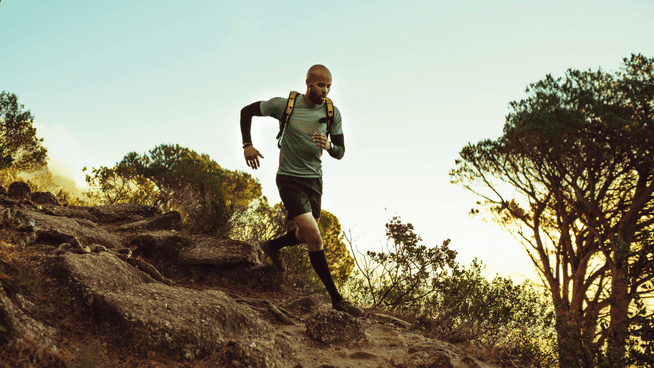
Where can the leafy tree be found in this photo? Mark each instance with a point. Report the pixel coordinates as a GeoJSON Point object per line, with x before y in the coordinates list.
{"type": "Point", "coordinates": [20, 149]}
{"type": "Point", "coordinates": [261, 221]}
{"type": "Point", "coordinates": [120, 184]}
{"type": "Point", "coordinates": [174, 177]}
{"type": "Point", "coordinates": [5, 159]}
{"type": "Point", "coordinates": [572, 177]}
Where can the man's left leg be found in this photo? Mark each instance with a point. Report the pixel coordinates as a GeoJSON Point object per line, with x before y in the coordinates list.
{"type": "Point", "coordinates": [272, 248]}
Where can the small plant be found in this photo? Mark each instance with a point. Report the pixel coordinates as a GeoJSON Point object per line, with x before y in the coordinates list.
{"type": "Point", "coordinates": [88, 357]}
{"type": "Point", "coordinates": [6, 254]}
{"type": "Point", "coordinates": [11, 223]}
{"type": "Point", "coordinates": [27, 282]}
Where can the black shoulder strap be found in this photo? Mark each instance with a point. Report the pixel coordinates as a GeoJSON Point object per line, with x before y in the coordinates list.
{"type": "Point", "coordinates": [290, 104]}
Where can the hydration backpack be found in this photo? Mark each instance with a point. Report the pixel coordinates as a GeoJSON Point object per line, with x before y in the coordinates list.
{"type": "Point", "coordinates": [290, 104]}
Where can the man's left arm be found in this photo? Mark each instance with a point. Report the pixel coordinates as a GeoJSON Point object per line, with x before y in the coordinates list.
{"type": "Point", "coordinates": [337, 150]}
{"type": "Point", "coordinates": [335, 147]}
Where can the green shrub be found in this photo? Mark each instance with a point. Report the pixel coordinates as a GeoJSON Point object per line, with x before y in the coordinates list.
{"type": "Point", "coordinates": [515, 321]}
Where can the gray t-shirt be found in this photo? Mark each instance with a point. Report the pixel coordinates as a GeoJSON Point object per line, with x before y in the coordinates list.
{"type": "Point", "coordinates": [299, 155]}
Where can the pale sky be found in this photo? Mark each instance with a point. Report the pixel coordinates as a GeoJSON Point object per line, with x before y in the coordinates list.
{"type": "Point", "coordinates": [415, 82]}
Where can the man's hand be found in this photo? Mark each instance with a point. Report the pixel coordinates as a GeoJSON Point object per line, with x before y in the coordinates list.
{"type": "Point", "coordinates": [321, 141]}
{"type": "Point", "coordinates": [252, 157]}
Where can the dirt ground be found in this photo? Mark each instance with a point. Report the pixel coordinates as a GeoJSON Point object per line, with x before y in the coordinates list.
{"type": "Point", "coordinates": [391, 342]}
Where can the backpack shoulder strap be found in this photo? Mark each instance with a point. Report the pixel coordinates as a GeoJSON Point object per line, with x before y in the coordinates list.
{"type": "Point", "coordinates": [329, 106]}
{"type": "Point", "coordinates": [290, 104]}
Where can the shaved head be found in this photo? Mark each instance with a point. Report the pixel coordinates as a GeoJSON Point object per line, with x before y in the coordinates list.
{"type": "Point", "coordinates": [318, 71]}
{"type": "Point", "coordinates": [319, 82]}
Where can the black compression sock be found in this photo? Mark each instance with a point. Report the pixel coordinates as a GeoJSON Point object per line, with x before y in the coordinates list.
{"type": "Point", "coordinates": [319, 264]}
{"type": "Point", "coordinates": [285, 241]}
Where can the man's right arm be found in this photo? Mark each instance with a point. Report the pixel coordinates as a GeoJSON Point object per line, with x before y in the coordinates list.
{"type": "Point", "coordinates": [251, 154]}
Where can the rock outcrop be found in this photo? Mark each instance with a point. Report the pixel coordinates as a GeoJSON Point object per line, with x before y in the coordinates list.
{"type": "Point", "coordinates": [153, 315]}
{"type": "Point", "coordinates": [18, 324]}
{"type": "Point", "coordinates": [335, 327]}
{"type": "Point", "coordinates": [101, 262]}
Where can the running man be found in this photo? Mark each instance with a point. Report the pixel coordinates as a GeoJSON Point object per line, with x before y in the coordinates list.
{"type": "Point", "coordinates": [299, 176]}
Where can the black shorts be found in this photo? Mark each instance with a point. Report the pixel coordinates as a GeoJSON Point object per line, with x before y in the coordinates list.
{"type": "Point", "coordinates": [300, 195]}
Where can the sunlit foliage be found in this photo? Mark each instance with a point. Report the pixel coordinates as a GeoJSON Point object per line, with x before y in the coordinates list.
{"type": "Point", "coordinates": [20, 149]}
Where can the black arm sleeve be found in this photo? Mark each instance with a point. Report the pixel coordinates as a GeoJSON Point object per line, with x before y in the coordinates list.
{"type": "Point", "coordinates": [338, 146]}
{"type": "Point", "coordinates": [247, 113]}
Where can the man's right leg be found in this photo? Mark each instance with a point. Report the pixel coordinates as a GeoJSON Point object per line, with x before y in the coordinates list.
{"type": "Point", "coordinates": [309, 233]}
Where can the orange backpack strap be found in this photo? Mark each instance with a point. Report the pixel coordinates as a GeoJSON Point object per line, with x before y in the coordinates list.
{"type": "Point", "coordinates": [290, 104]}
{"type": "Point", "coordinates": [329, 106]}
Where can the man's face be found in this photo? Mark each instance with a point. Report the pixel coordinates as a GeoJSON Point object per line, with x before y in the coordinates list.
{"type": "Point", "coordinates": [319, 86]}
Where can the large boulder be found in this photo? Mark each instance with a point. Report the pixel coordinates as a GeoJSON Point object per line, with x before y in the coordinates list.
{"type": "Point", "coordinates": [168, 221]}
{"type": "Point", "coordinates": [154, 316]}
{"type": "Point", "coordinates": [123, 212]}
{"type": "Point", "coordinates": [44, 198]}
{"type": "Point", "coordinates": [18, 325]}
{"type": "Point", "coordinates": [72, 212]}
{"type": "Point", "coordinates": [330, 326]}
{"type": "Point", "coordinates": [269, 352]}
{"type": "Point", "coordinates": [19, 190]}
{"type": "Point", "coordinates": [159, 245]}
{"type": "Point", "coordinates": [219, 252]}
{"type": "Point", "coordinates": [54, 230]}
{"type": "Point", "coordinates": [210, 257]}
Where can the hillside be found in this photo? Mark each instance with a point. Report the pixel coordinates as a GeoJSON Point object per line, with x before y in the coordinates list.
{"type": "Point", "coordinates": [123, 286]}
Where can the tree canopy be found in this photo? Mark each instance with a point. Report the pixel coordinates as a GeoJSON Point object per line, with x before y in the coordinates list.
{"type": "Point", "coordinates": [175, 177]}
{"type": "Point", "coordinates": [20, 149]}
{"type": "Point", "coordinates": [573, 177]}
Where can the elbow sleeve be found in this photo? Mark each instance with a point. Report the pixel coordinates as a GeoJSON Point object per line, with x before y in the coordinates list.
{"type": "Point", "coordinates": [338, 146]}
{"type": "Point", "coordinates": [247, 113]}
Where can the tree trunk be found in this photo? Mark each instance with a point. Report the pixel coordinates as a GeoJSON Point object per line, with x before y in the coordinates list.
{"type": "Point", "coordinates": [618, 326]}
{"type": "Point", "coordinates": [570, 344]}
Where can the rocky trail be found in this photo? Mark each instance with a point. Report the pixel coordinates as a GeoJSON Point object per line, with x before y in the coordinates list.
{"type": "Point", "coordinates": [151, 295]}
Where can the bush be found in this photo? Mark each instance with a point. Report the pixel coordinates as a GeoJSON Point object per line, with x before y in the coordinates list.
{"type": "Point", "coordinates": [514, 321]}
